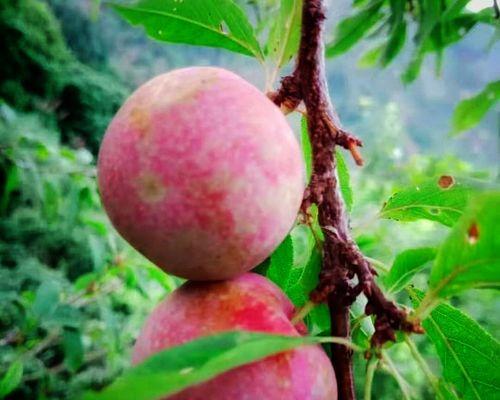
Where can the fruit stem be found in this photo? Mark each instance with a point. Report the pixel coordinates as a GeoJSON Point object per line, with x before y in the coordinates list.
{"type": "Point", "coordinates": [302, 312]}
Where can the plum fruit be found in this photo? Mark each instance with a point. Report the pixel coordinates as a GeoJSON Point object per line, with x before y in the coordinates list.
{"type": "Point", "coordinates": [201, 173]}
{"type": "Point", "coordinates": [252, 303]}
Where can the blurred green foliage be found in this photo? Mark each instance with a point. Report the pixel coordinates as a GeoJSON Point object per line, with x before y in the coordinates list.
{"type": "Point", "coordinates": [73, 294]}
{"type": "Point", "coordinates": [43, 75]}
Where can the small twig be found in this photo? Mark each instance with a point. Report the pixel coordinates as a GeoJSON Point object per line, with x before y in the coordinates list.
{"type": "Point", "coordinates": [302, 312]}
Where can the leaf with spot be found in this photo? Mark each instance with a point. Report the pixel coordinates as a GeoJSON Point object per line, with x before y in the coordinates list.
{"type": "Point", "coordinates": [406, 265]}
{"type": "Point", "coordinates": [213, 23]}
{"type": "Point", "coordinates": [470, 256]}
{"type": "Point", "coordinates": [471, 111]}
{"type": "Point", "coordinates": [441, 199]}
{"type": "Point", "coordinates": [470, 356]}
{"type": "Point", "coordinates": [179, 367]}
{"type": "Point", "coordinates": [351, 30]}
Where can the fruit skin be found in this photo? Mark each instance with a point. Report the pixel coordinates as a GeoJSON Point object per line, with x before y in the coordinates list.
{"type": "Point", "coordinates": [201, 173]}
{"type": "Point", "coordinates": [249, 302]}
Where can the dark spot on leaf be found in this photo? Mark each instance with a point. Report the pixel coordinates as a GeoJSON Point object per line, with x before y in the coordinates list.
{"type": "Point", "coordinates": [446, 181]}
{"type": "Point", "coordinates": [473, 233]}
{"type": "Point", "coordinates": [434, 211]}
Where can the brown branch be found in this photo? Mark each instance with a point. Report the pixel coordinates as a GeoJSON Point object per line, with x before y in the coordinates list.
{"type": "Point", "coordinates": [342, 259]}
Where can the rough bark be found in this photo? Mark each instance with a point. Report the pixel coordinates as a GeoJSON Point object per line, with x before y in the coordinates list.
{"type": "Point", "coordinates": [342, 259]}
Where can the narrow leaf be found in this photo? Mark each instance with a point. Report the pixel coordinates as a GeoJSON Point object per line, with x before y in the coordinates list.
{"type": "Point", "coordinates": [406, 265]}
{"type": "Point", "coordinates": [281, 262]}
{"type": "Point", "coordinates": [471, 111]}
{"type": "Point", "coordinates": [441, 199]}
{"type": "Point", "coordinates": [470, 256]}
{"type": "Point", "coordinates": [73, 349]}
{"type": "Point", "coordinates": [46, 299]}
{"type": "Point", "coordinates": [306, 147]}
{"type": "Point", "coordinates": [213, 23]}
{"type": "Point", "coordinates": [284, 38]}
{"type": "Point", "coordinates": [395, 43]}
{"type": "Point", "coordinates": [352, 29]}
{"type": "Point", "coordinates": [11, 379]}
{"type": "Point", "coordinates": [470, 357]}
{"type": "Point", "coordinates": [344, 180]}
{"type": "Point", "coordinates": [174, 369]}
{"type": "Point", "coordinates": [429, 16]}
{"type": "Point", "coordinates": [371, 57]}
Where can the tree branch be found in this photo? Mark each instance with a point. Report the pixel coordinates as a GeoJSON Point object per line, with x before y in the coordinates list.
{"type": "Point", "coordinates": [342, 259]}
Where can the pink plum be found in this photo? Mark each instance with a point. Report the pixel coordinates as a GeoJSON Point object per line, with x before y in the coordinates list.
{"type": "Point", "coordinates": [201, 173]}
{"type": "Point", "coordinates": [249, 302]}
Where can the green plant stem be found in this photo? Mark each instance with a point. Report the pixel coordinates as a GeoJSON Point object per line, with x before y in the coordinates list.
{"type": "Point", "coordinates": [423, 366]}
{"type": "Point", "coordinates": [370, 373]}
{"type": "Point", "coordinates": [391, 369]}
{"type": "Point", "coordinates": [342, 341]}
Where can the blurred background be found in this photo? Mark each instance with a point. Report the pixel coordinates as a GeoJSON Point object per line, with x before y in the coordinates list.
{"type": "Point", "coordinates": [73, 295]}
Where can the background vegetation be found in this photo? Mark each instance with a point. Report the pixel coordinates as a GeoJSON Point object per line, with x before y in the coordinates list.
{"type": "Point", "coordinates": [74, 295]}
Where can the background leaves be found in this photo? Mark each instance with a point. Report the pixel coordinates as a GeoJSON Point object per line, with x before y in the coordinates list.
{"type": "Point", "coordinates": [470, 111]}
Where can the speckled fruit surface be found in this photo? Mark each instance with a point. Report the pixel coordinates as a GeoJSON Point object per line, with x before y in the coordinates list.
{"type": "Point", "coordinates": [201, 173]}
{"type": "Point", "coordinates": [249, 302]}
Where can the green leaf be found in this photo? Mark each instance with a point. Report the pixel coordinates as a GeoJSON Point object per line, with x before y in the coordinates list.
{"type": "Point", "coordinates": [469, 355]}
{"type": "Point", "coordinates": [352, 29]}
{"type": "Point", "coordinates": [471, 111]}
{"type": "Point", "coordinates": [413, 69]}
{"type": "Point", "coordinates": [441, 199]}
{"type": "Point", "coordinates": [64, 315]}
{"type": "Point", "coordinates": [344, 180]}
{"type": "Point", "coordinates": [430, 15]}
{"type": "Point", "coordinates": [306, 147]}
{"type": "Point", "coordinates": [303, 279]}
{"type": "Point", "coordinates": [11, 379]}
{"type": "Point", "coordinates": [470, 256]}
{"type": "Point", "coordinates": [371, 57]}
{"type": "Point", "coordinates": [284, 38]}
{"type": "Point", "coordinates": [213, 23]}
{"type": "Point", "coordinates": [194, 362]}
{"type": "Point", "coordinates": [397, 36]}
{"type": "Point", "coordinates": [281, 262]}
{"type": "Point", "coordinates": [395, 43]}
{"type": "Point", "coordinates": [454, 9]}
{"type": "Point", "coordinates": [406, 265]}
{"type": "Point", "coordinates": [73, 349]}
{"type": "Point", "coordinates": [46, 299]}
